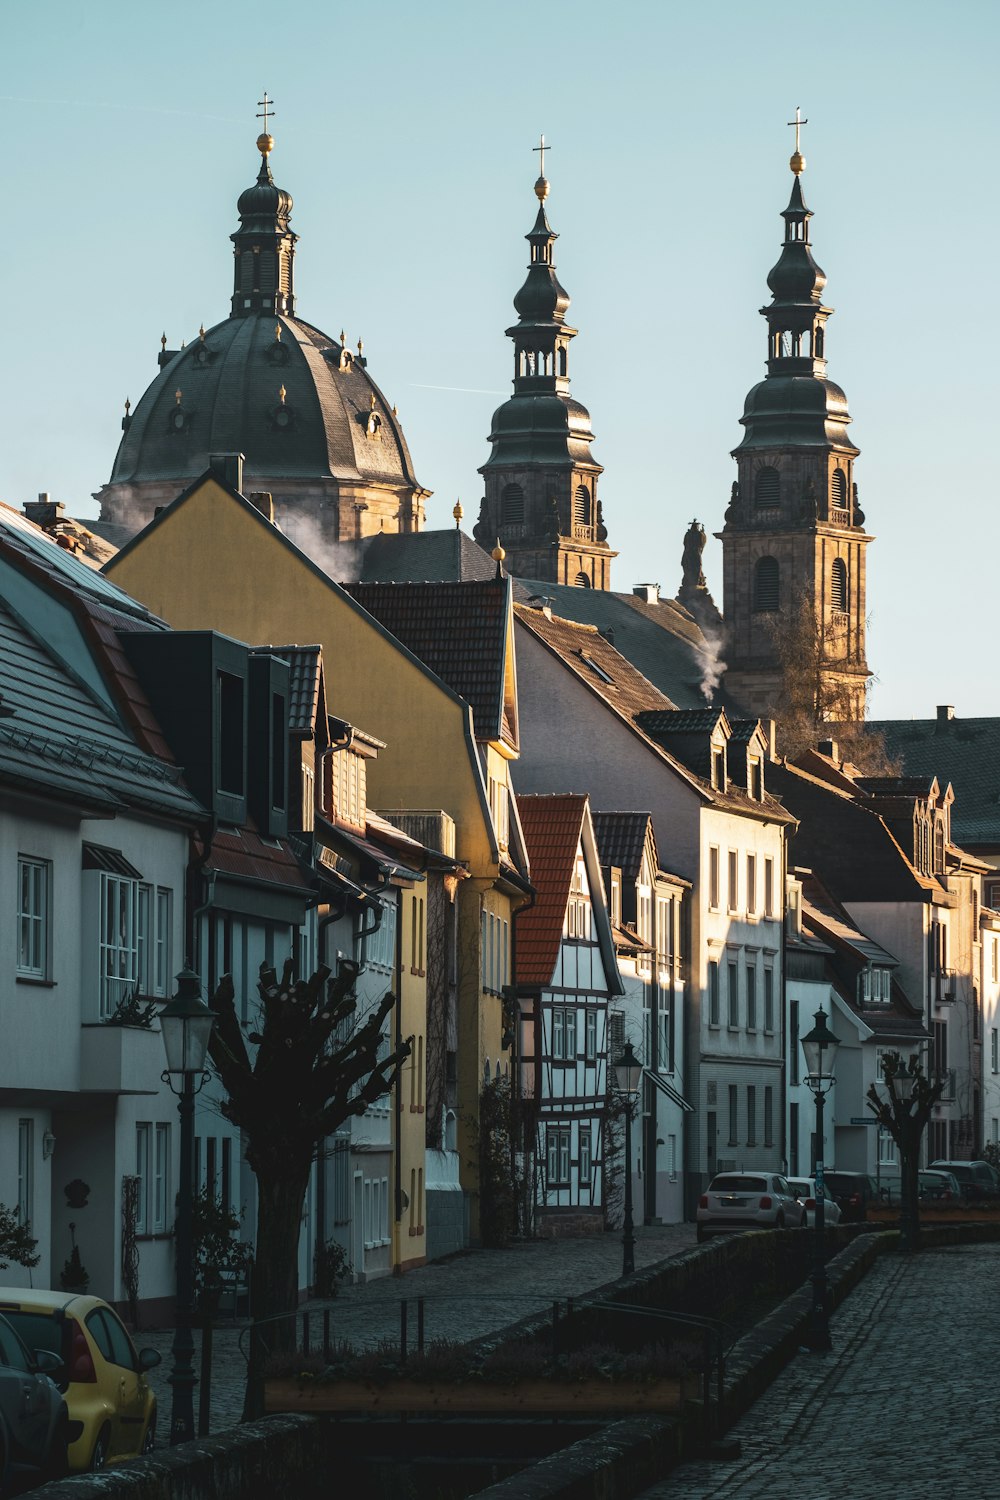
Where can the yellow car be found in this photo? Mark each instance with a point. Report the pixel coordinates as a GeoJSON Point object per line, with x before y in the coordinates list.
{"type": "Point", "coordinates": [112, 1411]}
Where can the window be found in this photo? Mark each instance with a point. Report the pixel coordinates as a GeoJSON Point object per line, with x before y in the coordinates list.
{"type": "Point", "coordinates": [616, 900]}
{"type": "Point", "coordinates": [578, 907]}
{"type": "Point", "coordinates": [672, 1157]}
{"type": "Point", "coordinates": [379, 947]}
{"type": "Point", "coordinates": [713, 878]}
{"type": "Point", "coordinates": [161, 1180]}
{"type": "Point", "coordinates": [119, 945]}
{"type": "Point", "coordinates": [793, 1138]}
{"type": "Point", "coordinates": [512, 505]}
{"type": "Point", "coordinates": [581, 581]}
{"type": "Point", "coordinates": [751, 1116]}
{"type": "Point", "coordinates": [751, 884]}
{"type": "Point", "coordinates": [876, 985]}
{"type": "Point", "coordinates": [586, 1156]}
{"type": "Point", "coordinates": [838, 488]}
{"type": "Point", "coordinates": [838, 586]}
{"type": "Point", "coordinates": [940, 1048]}
{"type": "Point", "coordinates": [557, 1138]}
{"type": "Point", "coordinates": [308, 793]}
{"type": "Point", "coordinates": [995, 1050]}
{"type": "Point", "coordinates": [563, 1033]}
{"type": "Point", "coordinates": [768, 999]}
{"type": "Point", "coordinates": [769, 1116]}
{"type": "Point", "coordinates": [581, 506]}
{"type": "Point", "coordinates": [231, 734]}
{"type": "Point", "coordinates": [768, 887]}
{"type": "Point", "coordinates": [733, 994]}
{"type": "Point", "coordinates": [34, 895]}
{"type": "Point", "coordinates": [734, 881]}
{"type": "Point", "coordinates": [163, 965]}
{"type": "Point", "coordinates": [767, 586]}
{"type": "Point", "coordinates": [25, 1172]}
{"type": "Point", "coordinates": [499, 811]}
{"type": "Point", "coordinates": [713, 992]}
{"type": "Point", "coordinates": [719, 767]}
{"type": "Point", "coordinates": [751, 997]}
{"type": "Point", "coordinates": [793, 1041]}
{"type": "Point", "coordinates": [142, 1174]}
{"type": "Point", "coordinates": [591, 1033]}
{"type": "Point", "coordinates": [767, 488]}
{"type": "Point", "coordinates": [734, 1115]}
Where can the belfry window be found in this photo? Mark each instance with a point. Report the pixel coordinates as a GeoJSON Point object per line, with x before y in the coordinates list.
{"type": "Point", "coordinates": [581, 506]}
{"type": "Point", "coordinates": [562, 361]}
{"type": "Point", "coordinates": [838, 488]}
{"type": "Point", "coordinates": [512, 505]}
{"type": "Point", "coordinates": [767, 586]}
{"type": "Point", "coordinates": [838, 586]}
{"type": "Point", "coordinates": [767, 488]}
{"type": "Point", "coordinates": [582, 581]}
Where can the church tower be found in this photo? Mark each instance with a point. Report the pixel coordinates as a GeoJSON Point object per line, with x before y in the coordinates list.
{"type": "Point", "coordinates": [793, 542]}
{"type": "Point", "coordinates": [541, 479]}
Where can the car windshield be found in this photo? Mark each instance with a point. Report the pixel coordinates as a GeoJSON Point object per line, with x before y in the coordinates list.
{"type": "Point", "coordinates": [739, 1185]}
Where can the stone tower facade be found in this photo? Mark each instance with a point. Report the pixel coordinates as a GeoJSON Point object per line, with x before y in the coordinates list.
{"type": "Point", "coordinates": [541, 478]}
{"type": "Point", "coordinates": [793, 541]}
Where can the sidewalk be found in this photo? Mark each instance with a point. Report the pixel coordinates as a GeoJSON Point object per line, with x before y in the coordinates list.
{"type": "Point", "coordinates": [903, 1405]}
{"type": "Point", "coordinates": [465, 1296]}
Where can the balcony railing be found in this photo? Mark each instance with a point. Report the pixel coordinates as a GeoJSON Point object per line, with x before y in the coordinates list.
{"type": "Point", "coordinates": [945, 987]}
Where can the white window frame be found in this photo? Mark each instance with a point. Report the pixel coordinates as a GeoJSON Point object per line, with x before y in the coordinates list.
{"type": "Point", "coordinates": [161, 1179]}
{"type": "Point", "coordinates": [768, 999]}
{"type": "Point", "coordinates": [768, 886]}
{"type": "Point", "coordinates": [118, 946]}
{"type": "Point", "coordinates": [590, 1026]}
{"type": "Point", "coordinates": [586, 1165]}
{"type": "Point", "coordinates": [163, 940]}
{"type": "Point", "coordinates": [34, 917]}
{"type": "Point", "coordinates": [558, 1034]}
{"type": "Point", "coordinates": [26, 1172]}
{"type": "Point", "coordinates": [143, 1131]}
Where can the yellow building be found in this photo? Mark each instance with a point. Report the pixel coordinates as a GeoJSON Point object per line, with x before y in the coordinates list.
{"type": "Point", "coordinates": [211, 559]}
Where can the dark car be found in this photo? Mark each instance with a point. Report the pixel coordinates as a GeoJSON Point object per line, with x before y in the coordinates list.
{"type": "Point", "coordinates": [34, 1425]}
{"type": "Point", "coordinates": [853, 1193]}
{"type": "Point", "coordinates": [976, 1178]}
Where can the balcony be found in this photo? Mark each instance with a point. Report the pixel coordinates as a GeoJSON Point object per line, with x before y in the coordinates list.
{"type": "Point", "coordinates": [945, 987]}
{"type": "Point", "coordinates": [120, 1059]}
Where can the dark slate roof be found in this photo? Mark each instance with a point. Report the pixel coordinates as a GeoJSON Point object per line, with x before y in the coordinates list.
{"type": "Point", "coordinates": [552, 831]}
{"type": "Point", "coordinates": [661, 640]}
{"type": "Point", "coordinates": [852, 951]}
{"type": "Point", "coordinates": [305, 706]}
{"type": "Point", "coordinates": [965, 752]}
{"type": "Point", "coordinates": [847, 843]}
{"type": "Point", "coordinates": [30, 542]}
{"type": "Point", "coordinates": [229, 384]}
{"type": "Point", "coordinates": [621, 839]}
{"type": "Point", "coordinates": [241, 852]}
{"type": "Point", "coordinates": [425, 557]}
{"type": "Point", "coordinates": [458, 630]}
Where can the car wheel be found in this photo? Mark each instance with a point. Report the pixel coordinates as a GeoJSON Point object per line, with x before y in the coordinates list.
{"type": "Point", "coordinates": [99, 1457]}
{"type": "Point", "coordinates": [149, 1439]}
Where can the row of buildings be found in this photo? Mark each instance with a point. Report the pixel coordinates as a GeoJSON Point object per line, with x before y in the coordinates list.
{"type": "Point", "coordinates": [258, 710]}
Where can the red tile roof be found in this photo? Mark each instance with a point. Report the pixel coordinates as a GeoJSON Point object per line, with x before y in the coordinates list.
{"type": "Point", "coordinates": [459, 631]}
{"type": "Point", "coordinates": [552, 831]}
{"type": "Point", "coordinates": [243, 852]}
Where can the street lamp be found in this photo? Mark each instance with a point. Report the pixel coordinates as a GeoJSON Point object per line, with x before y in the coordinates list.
{"type": "Point", "coordinates": [186, 1024]}
{"type": "Point", "coordinates": [820, 1047]}
{"type": "Point", "coordinates": [628, 1076]}
{"type": "Point", "coordinates": [903, 1083]}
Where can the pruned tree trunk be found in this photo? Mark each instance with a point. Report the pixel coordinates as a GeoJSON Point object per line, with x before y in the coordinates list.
{"type": "Point", "coordinates": [274, 1290]}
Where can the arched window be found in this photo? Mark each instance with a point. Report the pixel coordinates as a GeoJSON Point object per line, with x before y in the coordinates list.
{"type": "Point", "coordinates": [562, 361]}
{"type": "Point", "coordinates": [767, 585]}
{"type": "Point", "coordinates": [838, 489]}
{"type": "Point", "coordinates": [512, 505]}
{"type": "Point", "coordinates": [767, 488]}
{"type": "Point", "coordinates": [581, 506]}
{"type": "Point", "coordinates": [838, 586]}
{"type": "Point", "coordinates": [938, 847]}
{"type": "Point", "coordinates": [582, 581]}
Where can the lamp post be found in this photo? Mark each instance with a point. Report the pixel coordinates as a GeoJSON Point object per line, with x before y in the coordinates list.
{"type": "Point", "coordinates": [186, 1024]}
{"type": "Point", "coordinates": [628, 1076]}
{"type": "Point", "coordinates": [820, 1048]}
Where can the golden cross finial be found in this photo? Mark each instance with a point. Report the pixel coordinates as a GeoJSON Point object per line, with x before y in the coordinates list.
{"type": "Point", "coordinates": [265, 113]}
{"type": "Point", "coordinates": [541, 148]}
{"type": "Point", "coordinates": [798, 122]}
{"type": "Point", "coordinates": [282, 393]}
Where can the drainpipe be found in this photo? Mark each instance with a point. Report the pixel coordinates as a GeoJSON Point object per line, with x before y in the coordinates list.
{"type": "Point", "coordinates": [398, 1097]}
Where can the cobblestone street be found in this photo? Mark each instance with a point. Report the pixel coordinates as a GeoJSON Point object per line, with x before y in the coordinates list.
{"type": "Point", "coordinates": [466, 1296]}
{"type": "Point", "coordinates": [904, 1404]}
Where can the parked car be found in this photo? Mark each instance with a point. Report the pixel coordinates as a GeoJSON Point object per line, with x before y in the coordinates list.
{"type": "Point", "coordinates": [748, 1200]}
{"type": "Point", "coordinates": [805, 1190]}
{"type": "Point", "coordinates": [853, 1193]}
{"type": "Point", "coordinates": [34, 1425]}
{"type": "Point", "coordinates": [938, 1186]}
{"type": "Point", "coordinates": [976, 1178]}
{"type": "Point", "coordinates": [111, 1408]}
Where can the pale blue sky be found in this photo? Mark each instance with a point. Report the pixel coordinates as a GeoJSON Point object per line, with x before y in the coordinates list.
{"type": "Point", "coordinates": [404, 133]}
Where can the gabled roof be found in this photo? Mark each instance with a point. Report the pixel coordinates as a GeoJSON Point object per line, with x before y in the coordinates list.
{"type": "Point", "coordinates": [306, 706]}
{"type": "Point", "coordinates": [965, 752]}
{"type": "Point", "coordinates": [461, 631]}
{"type": "Point", "coordinates": [621, 840]}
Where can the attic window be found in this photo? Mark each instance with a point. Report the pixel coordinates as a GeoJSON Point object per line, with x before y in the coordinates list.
{"type": "Point", "coordinates": [875, 985]}
{"type": "Point", "coordinates": [597, 671]}
{"type": "Point", "coordinates": [718, 768]}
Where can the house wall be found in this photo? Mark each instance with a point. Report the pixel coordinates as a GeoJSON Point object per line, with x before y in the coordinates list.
{"type": "Point", "coordinates": [990, 993]}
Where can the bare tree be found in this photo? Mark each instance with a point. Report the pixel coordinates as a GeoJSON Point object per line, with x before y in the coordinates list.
{"type": "Point", "coordinates": [909, 1100]}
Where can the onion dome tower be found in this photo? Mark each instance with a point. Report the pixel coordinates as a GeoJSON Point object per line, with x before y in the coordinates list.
{"type": "Point", "coordinates": [793, 542]}
{"type": "Point", "coordinates": [541, 479]}
{"type": "Point", "coordinates": [317, 433]}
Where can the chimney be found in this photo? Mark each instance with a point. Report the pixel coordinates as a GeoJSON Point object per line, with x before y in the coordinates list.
{"type": "Point", "coordinates": [829, 748]}
{"type": "Point", "coordinates": [229, 468]}
{"type": "Point", "coordinates": [44, 511]}
{"type": "Point", "coordinates": [649, 593]}
{"type": "Point", "coordinates": [264, 502]}
{"type": "Point", "coordinates": [945, 711]}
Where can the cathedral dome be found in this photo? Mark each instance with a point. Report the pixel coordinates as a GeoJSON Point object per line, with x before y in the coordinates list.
{"type": "Point", "coordinates": [797, 411]}
{"type": "Point", "coordinates": [314, 428]}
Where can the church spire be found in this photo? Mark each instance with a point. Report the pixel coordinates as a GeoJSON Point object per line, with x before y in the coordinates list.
{"type": "Point", "coordinates": [541, 478]}
{"type": "Point", "coordinates": [264, 245]}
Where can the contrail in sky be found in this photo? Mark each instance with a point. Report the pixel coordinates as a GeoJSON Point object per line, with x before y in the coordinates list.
{"type": "Point", "coordinates": [467, 390]}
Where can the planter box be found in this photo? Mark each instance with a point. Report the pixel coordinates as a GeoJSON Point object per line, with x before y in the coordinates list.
{"type": "Point", "coordinates": [528, 1396]}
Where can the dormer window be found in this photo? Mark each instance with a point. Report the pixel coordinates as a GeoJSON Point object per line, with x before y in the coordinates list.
{"type": "Point", "coordinates": [755, 779]}
{"type": "Point", "coordinates": [719, 767]}
{"type": "Point", "coordinates": [875, 985]}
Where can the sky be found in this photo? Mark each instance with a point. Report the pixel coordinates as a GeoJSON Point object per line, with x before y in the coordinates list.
{"type": "Point", "coordinates": [404, 132]}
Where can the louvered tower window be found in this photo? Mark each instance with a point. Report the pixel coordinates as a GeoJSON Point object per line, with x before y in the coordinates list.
{"type": "Point", "coordinates": [767, 488]}
{"type": "Point", "coordinates": [767, 585]}
{"type": "Point", "coordinates": [581, 506]}
{"type": "Point", "coordinates": [512, 506]}
{"type": "Point", "coordinates": [838, 489]}
{"type": "Point", "coordinates": [582, 581]}
{"type": "Point", "coordinates": [838, 586]}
